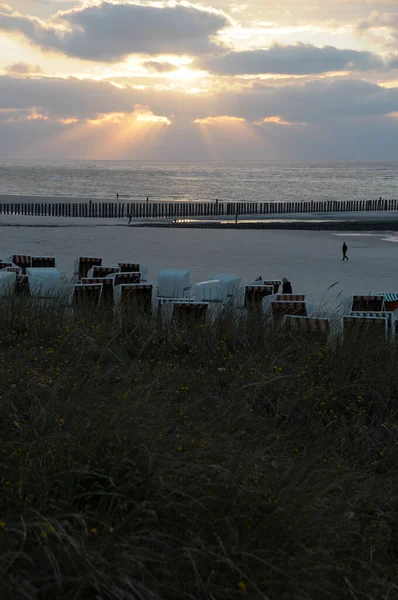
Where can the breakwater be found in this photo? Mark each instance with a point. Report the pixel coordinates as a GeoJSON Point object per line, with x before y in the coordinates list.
{"type": "Point", "coordinates": [69, 207]}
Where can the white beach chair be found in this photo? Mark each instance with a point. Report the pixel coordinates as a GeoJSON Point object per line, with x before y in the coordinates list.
{"type": "Point", "coordinates": [45, 282]}
{"type": "Point", "coordinates": [173, 283]}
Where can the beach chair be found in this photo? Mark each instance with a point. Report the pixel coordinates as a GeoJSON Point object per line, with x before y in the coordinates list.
{"type": "Point", "coordinates": [21, 260]}
{"type": "Point", "coordinates": [82, 266]}
{"type": "Point", "coordinates": [230, 285]}
{"type": "Point", "coordinates": [211, 290]}
{"type": "Point", "coordinates": [102, 271]}
{"type": "Point", "coordinates": [7, 265]}
{"type": "Point", "coordinates": [134, 299]}
{"type": "Point", "coordinates": [44, 282]}
{"type": "Point", "coordinates": [126, 267]}
{"type": "Point", "coordinates": [107, 287]}
{"type": "Point", "coordinates": [254, 295]}
{"type": "Point", "coordinates": [173, 283]}
{"type": "Point", "coordinates": [290, 297]}
{"type": "Point", "coordinates": [280, 309]}
{"type": "Point", "coordinates": [357, 327]}
{"type": "Point", "coordinates": [390, 300]}
{"type": "Point", "coordinates": [121, 278]}
{"type": "Point", "coordinates": [274, 283]}
{"type": "Point", "coordinates": [43, 262]}
{"type": "Point", "coordinates": [189, 313]}
{"type": "Point", "coordinates": [367, 303]}
{"type": "Point", "coordinates": [307, 325]}
{"type": "Point", "coordinates": [87, 295]}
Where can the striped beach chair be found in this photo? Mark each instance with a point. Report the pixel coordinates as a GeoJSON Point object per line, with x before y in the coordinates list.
{"type": "Point", "coordinates": [6, 264]}
{"type": "Point", "coordinates": [280, 309]}
{"type": "Point", "coordinates": [274, 283]}
{"type": "Point", "coordinates": [87, 295]}
{"type": "Point", "coordinates": [367, 303]}
{"type": "Point", "coordinates": [357, 327]}
{"type": "Point", "coordinates": [43, 262]}
{"type": "Point", "coordinates": [83, 264]}
{"type": "Point", "coordinates": [320, 327]}
{"type": "Point", "coordinates": [189, 313]}
{"type": "Point", "coordinates": [126, 267]}
{"type": "Point", "coordinates": [102, 271]}
{"type": "Point", "coordinates": [390, 300]}
{"type": "Point", "coordinates": [254, 295]}
{"type": "Point", "coordinates": [107, 287]}
{"type": "Point", "coordinates": [290, 298]}
{"type": "Point", "coordinates": [128, 277]}
{"type": "Point", "coordinates": [21, 260]}
{"type": "Point", "coordinates": [134, 299]}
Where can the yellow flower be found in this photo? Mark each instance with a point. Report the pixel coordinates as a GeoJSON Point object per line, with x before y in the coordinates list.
{"type": "Point", "coordinates": [93, 531]}
{"type": "Point", "coordinates": [242, 586]}
{"type": "Point", "coordinates": [110, 529]}
{"type": "Point", "coordinates": [43, 535]}
{"type": "Point", "coordinates": [2, 524]}
{"type": "Point", "coordinates": [16, 424]}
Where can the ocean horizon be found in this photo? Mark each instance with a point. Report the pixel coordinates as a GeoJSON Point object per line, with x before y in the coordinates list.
{"type": "Point", "coordinates": [240, 181]}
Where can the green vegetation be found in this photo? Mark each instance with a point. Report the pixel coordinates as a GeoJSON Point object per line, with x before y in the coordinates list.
{"type": "Point", "coordinates": [225, 462]}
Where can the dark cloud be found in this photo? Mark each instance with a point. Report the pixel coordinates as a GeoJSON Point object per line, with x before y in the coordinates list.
{"type": "Point", "coordinates": [159, 67]}
{"type": "Point", "coordinates": [109, 32]}
{"type": "Point", "coordinates": [301, 59]}
{"type": "Point", "coordinates": [22, 68]}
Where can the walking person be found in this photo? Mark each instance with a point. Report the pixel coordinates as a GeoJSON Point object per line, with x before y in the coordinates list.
{"type": "Point", "coordinates": [344, 249]}
{"type": "Point", "coordinates": [117, 196]}
{"type": "Point", "coordinates": [130, 219]}
{"type": "Point", "coordinates": [286, 286]}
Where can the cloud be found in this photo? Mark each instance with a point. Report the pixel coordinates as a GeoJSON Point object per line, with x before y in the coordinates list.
{"type": "Point", "coordinates": [331, 119]}
{"type": "Point", "coordinates": [22, 68]}
{"type": "Point", "coordinates": [301, 59]}
{"type": "Point", "coordinates": [381, 28]}
{"type": "Point", "coordinates": [159, 67]}
{"type": "Point", "coordinates": [110, 32]}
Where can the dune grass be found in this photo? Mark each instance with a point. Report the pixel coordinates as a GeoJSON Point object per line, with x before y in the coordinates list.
{"type": "Point", "coordinates": [224, 462]}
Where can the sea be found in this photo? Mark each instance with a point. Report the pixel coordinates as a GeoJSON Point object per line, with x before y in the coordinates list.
{"type": "Point", "coordinates": [207, 181]}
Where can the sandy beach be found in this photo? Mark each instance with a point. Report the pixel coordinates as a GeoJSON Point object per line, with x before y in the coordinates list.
{"type": "Point", "coordinates": [311, 260]}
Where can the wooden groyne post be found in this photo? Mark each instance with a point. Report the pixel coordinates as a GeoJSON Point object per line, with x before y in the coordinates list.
{"type": "Point", "coordinates": [192, 210]}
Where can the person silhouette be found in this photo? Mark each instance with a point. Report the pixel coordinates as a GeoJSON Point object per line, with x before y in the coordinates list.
{"type": "Point", "coordinates": [345, 248]}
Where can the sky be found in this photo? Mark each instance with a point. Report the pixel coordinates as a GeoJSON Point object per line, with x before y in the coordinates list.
{"type": "Point", "coordinates": [220, 80]}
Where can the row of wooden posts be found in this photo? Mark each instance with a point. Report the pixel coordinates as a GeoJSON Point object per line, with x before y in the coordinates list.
{"type": "Point", "coordinates": [120, 210]}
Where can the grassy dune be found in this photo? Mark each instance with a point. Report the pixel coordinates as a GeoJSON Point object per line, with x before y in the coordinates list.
{"type": "Point", "coordinates": [217, 463]}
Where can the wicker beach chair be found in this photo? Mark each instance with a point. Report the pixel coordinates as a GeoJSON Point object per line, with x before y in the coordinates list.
{"type": "Point", "coordinates": [189, 313]}
{"type": "Point", "coordinates": [102, 271]}
{"type": "Point", "coordinates": [280, 309]}
{"type": "Point", "coordinates": [374, 328]}
{"type": "Point", "coordinates": [43, 262]}
{"type": "Point", "coordinates": [87, 295]}
{"type": "Point", "coordinates": [21, 260]}
{"type": "Point", "coordinates": [134, 299]}
{"type": "Point", "coordinates": [290, 298]}
{"type": "Point", "coordinates": [307, 325]}
{"type": "Point", "coordinates": [83, 264]}
{"type": "Point", "coordinates": [275, 284]}
{"type": "Point", "coordinates": [254, 295]}
{"type": "Point", "coordinates": [390, 300]}
{"type": "Point", "coordinates": [367, 303]}
{"type": "Point", "coordinates": [107, 287]}
{"type": "Point", "coordinates": [120, 278]}
{"type": "Point", "coordinates": [126, 267]}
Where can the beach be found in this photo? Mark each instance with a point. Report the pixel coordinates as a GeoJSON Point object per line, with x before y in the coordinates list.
{"type": "Point", "coordinates": [310, 259]}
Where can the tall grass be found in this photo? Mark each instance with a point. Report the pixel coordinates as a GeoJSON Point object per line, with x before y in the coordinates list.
{"type": "Point", "coordinates": [220, 462]}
